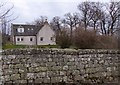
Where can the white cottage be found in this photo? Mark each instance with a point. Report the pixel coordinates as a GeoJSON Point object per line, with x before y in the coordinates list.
{"type": "Point", "coordinates": [33, 35]}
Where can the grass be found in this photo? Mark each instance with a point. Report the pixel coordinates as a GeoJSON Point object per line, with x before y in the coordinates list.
{"type": "Point", "coordinates": [46, 46]}
{"type": "Point", "coordinates": [11, 46]}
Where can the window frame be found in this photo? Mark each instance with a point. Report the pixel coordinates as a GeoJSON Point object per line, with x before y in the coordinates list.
{"type": "Point", "coordinates": [22, 39]}
{"type": "Point", "coordinates": [31, 39]}
{"type": "Point", "coordinates": [20, 30]}
{"type": "Point", "coordinates": [51, 38]}
{"type": "Point", "coordinates": [18, 39]}
{"type": "Point", "coordinates": [41, 38]}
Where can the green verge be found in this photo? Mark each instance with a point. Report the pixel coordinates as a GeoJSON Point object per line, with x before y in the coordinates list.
{"type": "Point", "coordinates": [11, 46]}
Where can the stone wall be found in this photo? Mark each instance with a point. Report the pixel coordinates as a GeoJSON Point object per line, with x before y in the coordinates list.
{"type": "Point", "coordinates": [58, 65]}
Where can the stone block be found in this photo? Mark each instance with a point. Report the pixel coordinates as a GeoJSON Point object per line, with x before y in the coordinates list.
{"type": "Point", "coordinates": [30, 76]}
{"type": "Point", "coordinates": [56, 79]}
{"type": "Point", "coordinates": [5, 66]}
{"type": "Point", "coordinates": [46, 80]}
{"type": "Point", "coordinates": [50, 59]}
{"type": "Point", "coordinates": [72, 67]}
{"type": "Point", "coordinates": [34, 64]}
{"type": "Point", "coordinates": [23, 75]}
{"type": "Point", "coordinates": [53, 73]}
{"type": "Point", "coordinates": [78, 78]}
{"type": "Point", "coordinates": [39, 80]}
{"type": "Point", "coordinates": [91, 70]}
{"type": "Point", "coordinates": [41, 69]}
{"type": "Point", "coordinates": [7, 77]}
{"type": "Point", "coordinates": [15, 71]}
{"type": "Point", "coordinates": [62, 73]}
{"type": "Point", "coordinates": [15, 61]}
{"type": "Point", "coordinates": [71, 59]}
{"type": "Point", "coordinates": [65, 67]}
{"type": "Point", "coordinates": [8, 71]}
{"type": "Point", "coordinates": [65, 78]}
{"type": "Point", "coordinates": [15, 77]}
{"type": "Point", "coordinates": [21, 81]}
{"type": "Point", "coordinates": [51, 64]}
{"type": "Point", "coordinates": [71, 63]}
{"type": "Point", "coordinates": [56, 68]}
{"type": "Point", "coordinates": [41, 74]}
{"type": "Point", "coordinates": [76, 72]}
{"type": "Point", "coordinates": [22, 71]}
{"type": "Point", "coordinates": [19, 66]}
{"type": "Point", "coordinates": [31, 69]}
{"type": "Point", "coordinates": [30, 81]}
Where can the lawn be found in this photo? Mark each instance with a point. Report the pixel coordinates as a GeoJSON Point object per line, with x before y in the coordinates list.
{"type": "Point", "coordinates": [11, 46]}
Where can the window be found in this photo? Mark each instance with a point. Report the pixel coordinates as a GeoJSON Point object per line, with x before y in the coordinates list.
{"type": "Point", "coordinates": [21, 39]}
{"type": "Point", "coordinates": [21, 30]}
{"type": "Point", "coordinates": [18, 39]}
{"type": "Point", "coordinates": [31, 39]}
{"type": "Point", "coordinates": [51, 38]}
{"type": "Point", "coordinates": [41, 38]}
{"type": "Point", "coordinates": [31, 28]}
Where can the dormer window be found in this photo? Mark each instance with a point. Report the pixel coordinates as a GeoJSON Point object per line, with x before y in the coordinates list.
{"type": "Point", "coordinates": [20, 29]}
{"type": "Point", "coordinates": [31, 28]}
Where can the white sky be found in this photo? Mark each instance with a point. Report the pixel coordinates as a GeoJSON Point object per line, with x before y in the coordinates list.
{"type": "Point", "coordinates": [29, 10]}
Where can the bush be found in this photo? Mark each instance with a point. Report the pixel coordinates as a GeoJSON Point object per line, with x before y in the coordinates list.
{"type": "Point", "coordinates": [63, 39]}
{"type": "Point", "coordinates": [84, 39]}
{"type": "Point", "coordinates": [106, 42]}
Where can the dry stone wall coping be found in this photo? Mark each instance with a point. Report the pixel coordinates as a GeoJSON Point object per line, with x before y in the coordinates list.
{"type": "Point", "coordinates": [59, 51]}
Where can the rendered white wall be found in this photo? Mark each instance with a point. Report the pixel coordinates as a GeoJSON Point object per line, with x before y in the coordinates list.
{"type": "Point", "coordinates": [46, 32]}
{"type": "Point", "coordinates": [26, 40]}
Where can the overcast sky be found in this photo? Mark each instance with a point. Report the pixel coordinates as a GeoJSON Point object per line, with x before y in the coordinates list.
{"type": "Point", "coordinates": [29, 10]}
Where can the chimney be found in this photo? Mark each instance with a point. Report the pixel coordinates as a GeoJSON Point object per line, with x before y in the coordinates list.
{"type": "Point", "coordinates": [46, 22]}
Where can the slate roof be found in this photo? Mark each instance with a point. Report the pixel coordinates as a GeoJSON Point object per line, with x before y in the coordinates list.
{"type": "Point", "coordinates": [29, 30]}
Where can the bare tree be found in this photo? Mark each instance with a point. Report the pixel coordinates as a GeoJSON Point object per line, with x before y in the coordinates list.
{"type": "Point", "coordinates": [109, 18]}
{"type": "Point", "coordinates": [72, 20]}
{"type": "Point", "coordinates": [3, 12]}
{"type": "Point", "coordinates": [103, 19]}
{"type": "Point", "coordinates": [76, 19]}
{"type": "Point", "coordinates": [56, 23]}
{"type": "Point", "coordinates": [40, 21]}
{"type": "Point", "coordinates": [114, 15]}
{"type": "Point", "coordinates": [5, 15]}
{"type": "Point", "coordinates": [102, 16]}
{"type": "Point", "coordinates": [95, 8]}
{"type": "Point", "coordinates": [84, 8]}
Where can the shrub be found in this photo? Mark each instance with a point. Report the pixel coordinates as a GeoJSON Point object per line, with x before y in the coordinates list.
{"type": "Point", "coordinates": [84, 39]}
{"type": "Point", "coordinates": [106, 42]}
{"type": "Point", "coordinates": [63, 39]}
